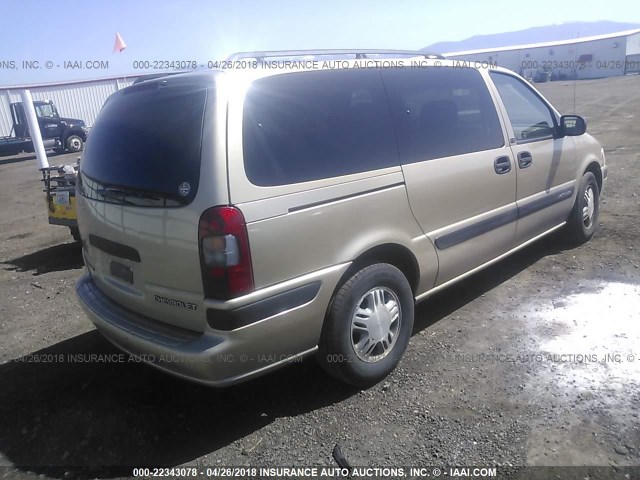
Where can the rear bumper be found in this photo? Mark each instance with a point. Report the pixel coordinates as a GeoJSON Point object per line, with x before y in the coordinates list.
{"type": "Point", "coordinates": [249, 339]}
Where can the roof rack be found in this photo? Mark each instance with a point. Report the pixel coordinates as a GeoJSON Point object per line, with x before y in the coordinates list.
{"type": "Point", "coordinates": [153, 76]}
{"type": "Point", "coordinates": [361, 53]}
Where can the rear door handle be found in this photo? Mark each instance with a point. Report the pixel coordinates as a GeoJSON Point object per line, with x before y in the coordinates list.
{"type": "Point", "coordinates": [524, 159]}
{"type": "Point", "coordinates": [502, 165]}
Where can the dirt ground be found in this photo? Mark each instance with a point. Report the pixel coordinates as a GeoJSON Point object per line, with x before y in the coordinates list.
{"type": "Point", "coordinates": [534, 361]}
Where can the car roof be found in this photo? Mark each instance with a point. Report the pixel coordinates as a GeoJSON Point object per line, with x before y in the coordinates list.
{"type": "Point", "coordinates": [249, 68]}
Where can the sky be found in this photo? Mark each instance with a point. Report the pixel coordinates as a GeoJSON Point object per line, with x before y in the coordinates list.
{"type": "Point", "coordinates": [80, 31]}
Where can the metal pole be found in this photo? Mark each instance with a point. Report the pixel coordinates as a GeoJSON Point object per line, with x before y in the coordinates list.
{"type": "Point", "coordinates": [34, 128]}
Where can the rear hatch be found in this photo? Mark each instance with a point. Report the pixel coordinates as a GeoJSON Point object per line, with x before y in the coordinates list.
{"type": "Point", "coordinates": [138, 207]}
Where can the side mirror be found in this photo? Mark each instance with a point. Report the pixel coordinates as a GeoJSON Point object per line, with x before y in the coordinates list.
{"type": "Point", "coordinates": [572, 125]}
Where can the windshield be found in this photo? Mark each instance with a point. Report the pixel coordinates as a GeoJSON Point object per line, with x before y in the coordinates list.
{"type": "Point", "coordinates": [147, 140]}
{"type": "Point", "coordinates": [46, 110]}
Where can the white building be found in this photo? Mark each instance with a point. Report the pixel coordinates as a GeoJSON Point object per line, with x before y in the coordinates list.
{"type": "Point", "coordinates": [581, 58]}
{"type": "Point", "coordinates": [589, 57]}
{"type": "Point", "coordinates": [76, 99]}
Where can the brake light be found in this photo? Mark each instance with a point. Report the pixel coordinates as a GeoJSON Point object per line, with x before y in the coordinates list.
{"type": "Point", "coordinates": [225, 259]}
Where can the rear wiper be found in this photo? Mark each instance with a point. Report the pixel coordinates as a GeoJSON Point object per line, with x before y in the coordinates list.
{"type": "Point", "coordinates": [120, 194]}
{"type": "Point", "coordinates": [112, 192]}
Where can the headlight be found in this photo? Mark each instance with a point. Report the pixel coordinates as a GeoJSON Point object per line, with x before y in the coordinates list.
{"type": "Point", "coordinates": [85, 129]}
{"type": "Point", "coordinates": [604, 160]}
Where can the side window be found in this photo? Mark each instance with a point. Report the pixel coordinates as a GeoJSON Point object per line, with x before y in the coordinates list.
{"type": "Point", "coordinates": [530, 117]}
{"type": "Point", "coordinates": [307, 126]}
{"type": "Point", "coordinates": [441, 112]}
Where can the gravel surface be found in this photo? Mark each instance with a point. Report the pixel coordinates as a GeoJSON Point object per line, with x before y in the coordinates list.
{"type": "Point", "coordinates": [534, 361]}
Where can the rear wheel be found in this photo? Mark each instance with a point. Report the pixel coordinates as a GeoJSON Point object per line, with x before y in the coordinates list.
{"type": "Point", "coordinates": [75, 233]}
{"type": "Point", "coordinates": [74, 143]}
{"type": "Point", "coordinates": [583, 219]}
{"type": "Point", "coordinates": [368, 325]}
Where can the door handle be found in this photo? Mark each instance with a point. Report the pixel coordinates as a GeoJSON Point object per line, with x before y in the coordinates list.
{"type": "Point", "coordinates": [524, 159]}
{"type": "Point", "coordinates": [502, 165]}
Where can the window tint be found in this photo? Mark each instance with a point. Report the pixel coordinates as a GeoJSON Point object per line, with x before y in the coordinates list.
{"type": "Point", "coordinates": [442, 112]}
{"type": "Point", "coordinates": [148, 138]}
{"type": "Point", "coordinates": [530, 117]}
{"type": "Point", "coordinates": [307, 126]}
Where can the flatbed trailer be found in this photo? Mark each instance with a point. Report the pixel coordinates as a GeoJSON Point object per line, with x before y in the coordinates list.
{"type": "Point", "coordinates": [13, 145]}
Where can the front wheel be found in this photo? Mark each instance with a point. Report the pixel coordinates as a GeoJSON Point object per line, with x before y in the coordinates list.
{"type": "Point", "coordinates": [74, 143]}
{"type": "Point", "coordinates": [368, 326]}
{"type": "Point", "coordinates": [583, 219]}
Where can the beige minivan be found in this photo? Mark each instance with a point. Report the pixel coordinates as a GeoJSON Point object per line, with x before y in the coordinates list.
{"type": "Point", "coordinates": [234, 221]}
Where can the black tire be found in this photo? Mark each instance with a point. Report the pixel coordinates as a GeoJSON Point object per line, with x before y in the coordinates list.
{"type": "Point", "coordinates": [578, 230]}
{"type": "Point", "coordinates": [74, 143]}
{"type": "Point", "coordinates": [337, 353]}
{"type": "Point", "coordinates": [75, 233]}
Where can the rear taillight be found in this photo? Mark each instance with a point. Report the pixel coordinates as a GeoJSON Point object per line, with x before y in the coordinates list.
{"type": "Point", "coordinates": [225, 259]}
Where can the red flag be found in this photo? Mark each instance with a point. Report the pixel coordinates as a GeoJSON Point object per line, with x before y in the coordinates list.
{"type": "Point", "coordinates": [119, 45]}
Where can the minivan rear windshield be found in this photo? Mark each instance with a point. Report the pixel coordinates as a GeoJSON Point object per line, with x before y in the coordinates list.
{"type": "Point", "coordinates": [147, 139]}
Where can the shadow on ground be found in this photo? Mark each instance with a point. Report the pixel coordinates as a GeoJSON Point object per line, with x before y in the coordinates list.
{"type": "Point", "coordinates": [58, 411]}
{"type": "Point", "coordinates": [70, 412]}
{"type": "Point", "coordinates": [455, 297]}
{"type": "Point", "coordinates": [65, 256]}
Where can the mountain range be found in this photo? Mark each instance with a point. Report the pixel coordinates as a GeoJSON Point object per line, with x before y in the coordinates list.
{"type": "Point", "coordinates": [549, 33]}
